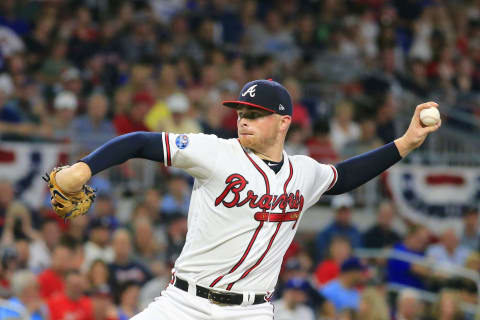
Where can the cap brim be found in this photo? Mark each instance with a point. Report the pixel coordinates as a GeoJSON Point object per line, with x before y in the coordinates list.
{"type": "Point", "coordinates": [235, 105]}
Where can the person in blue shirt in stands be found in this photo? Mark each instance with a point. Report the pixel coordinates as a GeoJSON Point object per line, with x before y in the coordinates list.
{"type": "Point", "coordinates": [341, 226]}
{"type": "Point", "coordinates": [26, 302]}
{"type": "Point", "coordinates": [343, 292]}
{"type": "Point", "coordinates": [408, 273]}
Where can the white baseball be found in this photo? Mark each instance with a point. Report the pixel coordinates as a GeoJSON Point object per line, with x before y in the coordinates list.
{"type": "Point", "coordinates": [430, 116]}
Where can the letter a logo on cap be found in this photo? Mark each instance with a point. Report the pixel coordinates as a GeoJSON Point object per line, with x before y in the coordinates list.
{"type": "Point", "coordinates": [251, 91]}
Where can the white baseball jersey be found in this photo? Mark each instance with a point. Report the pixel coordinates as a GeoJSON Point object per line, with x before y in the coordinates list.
{"type": "Point", "coordinates": [242, 216]}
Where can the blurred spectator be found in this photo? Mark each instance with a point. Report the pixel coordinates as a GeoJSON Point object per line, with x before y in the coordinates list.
{"type": "Point", "coordinates": [98, 246]}
{"type": "Point", "coordinates": [448, 253]}
{"type": "Point", "coordinates": [65, 107]}
{"type": "Point", "coordinates": [51, 280]}
{"type": "Point", "coordinates": [343, 292]}
{"type": "Point", "coordinates": [373, 305]}
{"type": "Point", "coordinates": [341, 226]}
{"type": "Point", "coordinates": [139, 43]}
{"type": "Point", "coordinates": [152, 203]}
{"type": "Point", "coordinates": [339, 62]}
{"type": "Point", "coordinates": [471, 235]}
{"type": "Point", "coordinates": [295, 144]}
{"type": "Point", "coordinates": [448, 306]}
{"type": "Point", "coordinates": [11, 42]}
{"type": "Point", "coordinates": [300, 115]}
{"type": "Point", "coordinates": [128, 298]}
{"type": "Point", "coordinates": [320, 146]}
{"type": "Point", "coordinates": [122, 101]}
{"type": "Point", "coordinates": [417, 81]}
{"type": "Point", "coordinates": [55, 63]}
{"type": "Point", "coordinates": [177, 198]}
{"type": "Point", "coordinates": [212, 123]}
{"type": "Point", "coordinates": [385, 119]}
{"type": "Point", "coordinates": [342, 128]}
{"type": "Point", "coordinates": [8, 266]}
{"type": "Point", "coordinates": [273, 38]}
{"type": "Point", "coordinates": [366, 142]}
{"type": "Point", "coordinates": [405, 272]}
{"type": "Point", "coordinates": [409, 306]}
{"type": "Point", "coordinates": [146, 246]}
{"type": "Point", "coordinates": [78, 228]}
{"type": "Point", "coordinates": [93, 129]}
{"type": "Point", "coordinates": [381, 235]}
{"type": "Point", "coordinates": [17, 221]}
{"type": "Point", "coordinates": [104, 207]}
{"type": "Point", "coordinates": [73, 303]}
{"type": "Point", "coordinates": [328, 269]}
{"type": "Point", "coordinates": [38, 41]}
{"type": "Point", "coordinates": [293, 303]}
{"type": "Point", "coordinates": [25, 302]}
{"type": "Point", "coordinates": [23, 252]}
{"type": "Point", "coordinates": [152, 288]}
{"type": "Point", "coordinates": [42, 248]}
{"type": "Point", "coordinates": [179, 120]}
{"type": "Point", "coordinates": [124, 268]}
{"type": "Point", "coordinates": [103, 307]}
{"type": "Point", "coordinates": [133, 118]}
{"type": "Point", "coordinates": [72, 81]}
{"type": "Point", "coordinates": [98, 276]}
{"type": "Point", "coordinates": [177, 231]}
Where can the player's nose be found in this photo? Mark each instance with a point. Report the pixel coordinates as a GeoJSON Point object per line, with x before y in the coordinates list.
{"type": "Point", "coordinates": [242, 122]}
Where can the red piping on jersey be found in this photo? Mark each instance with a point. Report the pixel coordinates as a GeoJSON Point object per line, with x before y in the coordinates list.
{"type": "Point", "coordinates": [334, 177]}
{"type": "Point", "coordinates": [167, 145]}
{"type": "Point", "coordinates": [259, 260]}
{"type": "Point", "coordinates": [229, 287]}
{"type": "Point", "coordinates": [260, 225]}
{"type": "Point", "coordinates": [243, 256]}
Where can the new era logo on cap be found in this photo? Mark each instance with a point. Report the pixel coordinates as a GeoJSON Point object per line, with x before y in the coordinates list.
{"type": "Point", "coordinates": [264, 94]}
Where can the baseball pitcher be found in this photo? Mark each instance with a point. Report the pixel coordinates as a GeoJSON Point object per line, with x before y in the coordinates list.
{"type": "Point", "coordinates": [248, 198]}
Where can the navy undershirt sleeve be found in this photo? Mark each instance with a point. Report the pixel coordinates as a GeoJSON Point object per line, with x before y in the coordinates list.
{"type": "Point", "coordinates": [356, 171]}
{"type": "Point", "coordinates": [146, 145]}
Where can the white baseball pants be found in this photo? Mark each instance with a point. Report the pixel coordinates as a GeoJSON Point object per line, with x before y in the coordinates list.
{"type": "Point", "coordinates": [175, 304]}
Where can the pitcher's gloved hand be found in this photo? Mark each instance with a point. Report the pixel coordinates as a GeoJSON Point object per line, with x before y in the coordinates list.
{"type": "Point", "coordinates": [68, 205]}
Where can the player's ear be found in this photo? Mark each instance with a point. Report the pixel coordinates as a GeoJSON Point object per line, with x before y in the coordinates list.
{"type": "Point", "coordinates": [285, 123]}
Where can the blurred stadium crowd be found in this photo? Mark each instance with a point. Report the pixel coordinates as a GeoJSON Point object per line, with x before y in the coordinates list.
{"type": "Point", "coordinates": [83, 72]}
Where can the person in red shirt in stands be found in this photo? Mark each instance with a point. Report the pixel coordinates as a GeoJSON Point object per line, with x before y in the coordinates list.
{"type": "Point", "coordinates": [320, 146]}
{"type": "Point", "coordinates": [72, 304]}
{"type": "Point", "coordinates": [300, 114]}
{"type": "Point", "coordinates": [329, 269]}
{"type": "Point", "coordinates": [51, 280]}
{"type": "Point", "coordinates": [134, 119]}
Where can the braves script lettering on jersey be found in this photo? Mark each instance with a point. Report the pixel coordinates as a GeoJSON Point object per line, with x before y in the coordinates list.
{"type": "Point", "coordinates": [242, 215]}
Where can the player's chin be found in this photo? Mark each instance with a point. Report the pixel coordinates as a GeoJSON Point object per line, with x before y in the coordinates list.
{"type": "Point", "coordinates": [247, 140]}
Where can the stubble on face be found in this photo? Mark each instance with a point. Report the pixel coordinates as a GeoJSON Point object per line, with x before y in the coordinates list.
{"type": "Point", "coordinates": [262, 138]}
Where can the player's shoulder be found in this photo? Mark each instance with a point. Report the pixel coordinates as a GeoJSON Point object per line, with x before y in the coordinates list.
{"type": "Point", "coordinates": [200, 139]}
{"type": "Point", "coordinates": [306, 163]}
{"type": "Point", "coordinates": [302, 160]}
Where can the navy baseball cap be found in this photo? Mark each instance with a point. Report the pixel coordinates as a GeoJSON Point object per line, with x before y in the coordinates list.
{"type": "Point", "coordinates": [353, 264]}
{"type": "Point", "coordinates": [298, 284]}
{"type": "Point", "coordinates": [264, 94]}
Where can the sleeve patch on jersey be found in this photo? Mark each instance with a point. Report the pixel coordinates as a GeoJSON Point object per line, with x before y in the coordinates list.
{"type": "Point", "coordinates": [182, 141]}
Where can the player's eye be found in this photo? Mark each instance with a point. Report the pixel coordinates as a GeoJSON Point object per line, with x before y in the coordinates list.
{"type": "Point", "coordinates": [250, 115]}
